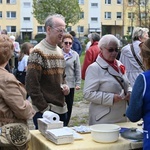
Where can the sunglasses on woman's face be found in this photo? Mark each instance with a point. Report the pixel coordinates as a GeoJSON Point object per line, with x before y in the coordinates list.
{"type": "Point", "coordinates": [110, 50]}
{"type": "Point", "coordinates": [66, 43]}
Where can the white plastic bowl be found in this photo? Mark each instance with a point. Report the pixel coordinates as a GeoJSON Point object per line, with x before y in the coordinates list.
{"type": "Point", "coordinates": [105, 133]}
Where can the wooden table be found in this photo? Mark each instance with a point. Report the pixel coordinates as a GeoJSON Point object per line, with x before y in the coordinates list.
{"type": "Point", "coordinates": [39, 142]}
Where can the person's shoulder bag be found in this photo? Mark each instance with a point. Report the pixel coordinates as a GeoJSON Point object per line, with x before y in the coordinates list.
{"type": "Point", "coordinates": [137, 60]}
{"type": "Point", "coordinates": [14, 134]}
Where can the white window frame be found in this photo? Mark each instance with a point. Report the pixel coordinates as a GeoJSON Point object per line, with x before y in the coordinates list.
{"type": "Point", "coordinates": [1, 14]}
{"type": "Point", "coordinates": [69, 28]}
{"type": "Point", "coordinates": [119, 2]}
{"type": "Point", "coordinates": [94, 19]}
{"type": "Point", "coordinates": [9, 14]}
{"type": "Point", "coordinates": [81, 2]}
{"type": "Point", "coordinates": [108, 2]}
{"type": "Point", "coordinates": [130, 29]}
{"type": "Point", "coordinates": [10, 28]}
{"type": "Point", "coordinates": [130, 15]}
{"type": "Point", "coordinates": [130, 2]}
{"type": "Point", "coordinates": [94, 4]}
{"type": "Point", "coordinates": [142, 3]}
{"type": "Point", "coordinates": [143, 15]}
{"type": "Point", "coordinates": [107, 15]}
{"type": "Point", "coordinates": [40, 29]}
{"type": "Point", "coordinates": [80, 29]}
{"type": "Point", "coordinates": [82, 15]}
{"type": "Point", "coordinates": [11, 1]}
{"type": "Point", "coordinates": [119, 15]}
{"type": "Point", "coordinates": [26, 4]}
{"type": "Point", "coordinates": [26, 19]}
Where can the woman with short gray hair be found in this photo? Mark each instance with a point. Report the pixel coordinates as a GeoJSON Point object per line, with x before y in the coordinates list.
{"type": "Point", "coordinates": [130, 54]}
{"type": "Point", "coordinates": [106, 85]}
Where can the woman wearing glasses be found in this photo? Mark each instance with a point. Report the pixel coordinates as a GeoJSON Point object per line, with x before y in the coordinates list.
{"type": "Point", "coordinates": [72, 70]}
{"type": "Point", "coordinates": [106, 85]}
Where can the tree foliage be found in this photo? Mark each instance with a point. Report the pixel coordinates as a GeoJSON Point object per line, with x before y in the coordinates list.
{"type": "Point", "coordinates": [142, 9]}
{"type": "Point", "coordinates": [70, 9]}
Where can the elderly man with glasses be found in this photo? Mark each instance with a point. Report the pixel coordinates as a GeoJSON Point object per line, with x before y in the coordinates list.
{"type": "Point", "coordinates": [46, 72]}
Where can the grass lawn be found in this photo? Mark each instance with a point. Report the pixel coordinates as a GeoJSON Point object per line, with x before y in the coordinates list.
{"type": "Point", "coordinates": [78, 96]}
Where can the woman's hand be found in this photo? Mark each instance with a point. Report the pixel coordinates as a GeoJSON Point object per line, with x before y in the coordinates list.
{"type": "Point", "coordinates": [127, 97]}
{"type": "Point", "coordinates": [77, 87]}
{"type": "Point", "coordinates": [117, 98]}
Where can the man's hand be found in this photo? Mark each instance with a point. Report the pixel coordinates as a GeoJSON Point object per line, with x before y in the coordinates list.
{"type": "Point", "coordinates": [65, 89]}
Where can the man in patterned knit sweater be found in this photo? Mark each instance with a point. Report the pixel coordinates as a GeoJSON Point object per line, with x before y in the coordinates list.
{"type": "Point", "coordinates": [45, 72]}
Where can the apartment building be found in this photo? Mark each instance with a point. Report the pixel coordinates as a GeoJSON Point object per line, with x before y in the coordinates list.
{"type": "Point", "coordinates": [10, 16]}
{"type": "Point", "coordinates": [90, 18]}
{"type": "Point", "coordinates": [26, 19]}
{"type": "Point", "coordinates": [103, 16]}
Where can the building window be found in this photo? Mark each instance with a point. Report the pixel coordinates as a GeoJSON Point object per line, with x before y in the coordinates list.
{"type": "Point", "coordinates": [107, 1]}
{"type": "Point", "coordinates": [94, 4]}
{"type": "Point", "coordinates": [142, 3]}
{"type": "Point", "coordinates": [0, 1]}
{"type": "Point", "coordinates": [81, 2]}
{"type": "Point", "coordinates": [94, 19]}
{"type": "Point", "coordinates": [130, 2]}
{"type": "Point", "coordinates": [107, 15]}
{"type": "Point", "coordinates": [27, 4]}
{"type": "Point", "coordinates": [40, 29]}
{"type": "Point", "coordinates": [131, 15]}
{"type": "Point", "coordinates": [69, 28]}
{"type": "Point", "coordinates": [11, 14]}
{"type": "Point", "coordinates": [130, 29]}
{"type": "Point", "coordinates": [119, 15]}
{"type": "Point", "coordinates": [11, 28]}
{"type": "Point", "coordinates": [0, 14]}
{"type": "Point", "coordinates": [81, 15]}
{"type": "Point", "coordinates": [143, 15]}
{"type": "Point", "coordinates": [119, 1]}
{"type": "Point", "coordinates": [80, 29]}
{"type": "Point", "coordinates": [26, 18]}
{"type": "Point", "coordinates": [11, 1]}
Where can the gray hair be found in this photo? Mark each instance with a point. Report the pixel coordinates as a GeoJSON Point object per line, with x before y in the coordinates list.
{"type": "Point", "coordinates": [95, 36]}
{"type": "Point", "coordinates": [138, 32]}
{"type": "Point", "coordinates": [89, 36]}
{"type": "Point", "coordinates": [49, 20]}
{"type": "Point", "coordinates": [106, 39]}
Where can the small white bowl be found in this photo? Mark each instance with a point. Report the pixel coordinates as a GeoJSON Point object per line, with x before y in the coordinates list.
{"type": "Point", "coordinates": [105, 133]}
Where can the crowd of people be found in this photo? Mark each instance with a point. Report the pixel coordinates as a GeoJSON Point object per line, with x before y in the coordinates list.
{"type": "Point", "coordinates": [51, 72]}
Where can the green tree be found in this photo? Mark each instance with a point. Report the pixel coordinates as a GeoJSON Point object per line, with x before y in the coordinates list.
{"type": "Point", "coordinates": [142, 9]}
{"type": "Point", "coordinates": [70, 9]}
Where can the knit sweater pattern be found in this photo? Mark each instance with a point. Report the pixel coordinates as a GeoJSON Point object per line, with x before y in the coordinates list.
{"type": "Point", "coordinates": [44, 75]}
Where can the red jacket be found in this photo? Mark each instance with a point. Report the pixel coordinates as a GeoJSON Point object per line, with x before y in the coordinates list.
{"type": "Point", "coordinates": [90, 57]}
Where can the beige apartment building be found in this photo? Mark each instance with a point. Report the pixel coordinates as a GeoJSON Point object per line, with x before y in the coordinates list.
{"type": "Point", "coordinates": [117, 17]}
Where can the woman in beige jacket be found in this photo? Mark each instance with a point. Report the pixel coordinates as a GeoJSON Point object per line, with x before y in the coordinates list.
{"type": "Point", "coordinates": [106, 85]}
{"type": "Point", "coordinates": [14, 108]}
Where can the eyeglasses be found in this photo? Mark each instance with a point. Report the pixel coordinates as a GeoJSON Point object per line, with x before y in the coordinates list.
{"type": "Point", "coordinates": [66, 43]}
{"type": "Point", "coordinates": [59, 30]}
{"type": "Point", "coordinates": [110, 50]}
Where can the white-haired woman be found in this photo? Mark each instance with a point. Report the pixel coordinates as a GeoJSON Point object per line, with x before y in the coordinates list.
{"type": "Point", "coordinates": [132, 60]}
{"type": "Point", "coordinates": [106, 85]}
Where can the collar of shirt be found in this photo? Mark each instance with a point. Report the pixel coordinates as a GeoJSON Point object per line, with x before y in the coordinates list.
{"type": "Point", "coordinates": [68, 55]}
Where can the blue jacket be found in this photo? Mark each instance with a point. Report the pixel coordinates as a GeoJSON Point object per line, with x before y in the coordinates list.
{"type": "Point", "coordinates": [139, 106]}
{"type": "Point", "coordinates": [76, 46]}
